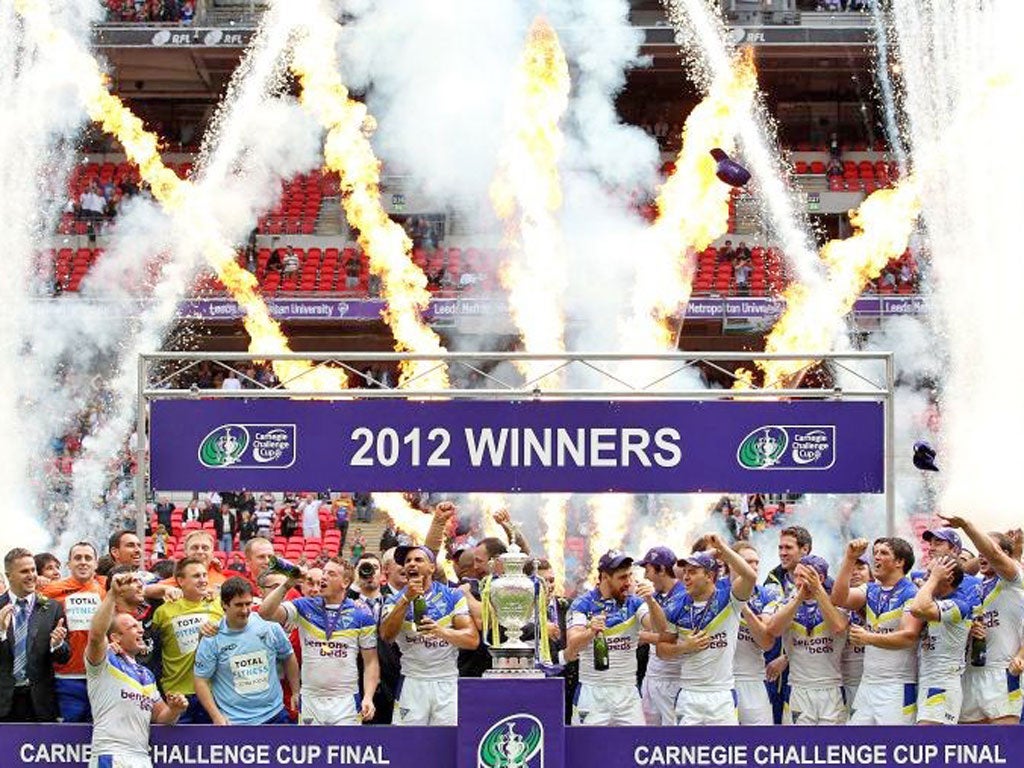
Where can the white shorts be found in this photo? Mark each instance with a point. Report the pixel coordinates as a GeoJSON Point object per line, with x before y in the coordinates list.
{"type": "Point", "coordinates": [815, 706]}
{"type": "Point", "coordinates": [885, 704]}
{"type": "Point", "coordinates": [940, 703]}
{"type": "Point", "coordinates": [752, 703]}
{"type": "Point", "coordinates": [659, 700]}
{"type": "Point", "coordinates": [988, 694]}
{"type": "Point", "coordinates": [426, 702]}
{"type": "Point", "coordinates": [339, 709]}
{"type": "Point", "coordinates": [706, 708]}
{"type": "Point", "coordinates": [120, 761]}
{"type": "Point", "coordinates": [607, 705]}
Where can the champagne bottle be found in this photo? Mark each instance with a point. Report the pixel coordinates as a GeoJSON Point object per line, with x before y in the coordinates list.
{"type": "Point", "coordinates": [419, 609]}
{"type": "Point", "coordinates": [979, 651]}
{"type": "Point", "coordinates": [601, 661]}
{"type": "Point", "coordinates": [287, 568]}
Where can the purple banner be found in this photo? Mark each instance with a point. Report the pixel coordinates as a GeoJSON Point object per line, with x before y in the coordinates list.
{"type": "Point", "coordinates": [182, 746]}
{"type": "Point", "coordinates": [700, 307]}
{"type": "Point", "coordinates": [523, 726]}
{"type": "Point", "coordinates": [796, 747]}
{"type": "Point", "coordinates": [519, 446]}
{"type": "Point", "coordinates": [239, 746]}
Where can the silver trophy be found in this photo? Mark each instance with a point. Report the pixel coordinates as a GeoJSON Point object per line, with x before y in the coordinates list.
{"type": "Point", "coordinates": [513, 597]}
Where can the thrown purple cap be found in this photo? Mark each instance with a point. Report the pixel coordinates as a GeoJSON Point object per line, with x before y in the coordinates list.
{"type": "Point", "coordinates": [659, 556]}
{"type": "Point", "coordinates": [945, 534]}
{"type": "Point", "coordinates": [613, 559]}
{"type": "Point", "coordinates": [701, 560]}
{"type": "Point", "coordinates": [403, 551]}
{"type": "Point", "coordinates": [817, 563]}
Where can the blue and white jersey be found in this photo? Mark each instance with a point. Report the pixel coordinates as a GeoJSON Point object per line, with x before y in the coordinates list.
{"type": "Point", "coordinates": [331, 637]}
{"type": "Point", "coordinates": [428, 657]}
{"type": "Point", "coordinates": [748, 663]}
{"type": "Point", "coordinates": [657, 667]}
{"type": "Point", "coordinates": [122, 694]}
{"type": "Point", "coordinates": [1002, 613]}
{"type": "Point", "coordinates": [623, 624]}
{"type": "Point", "coordinates": [719, 617]}
{"type": "Point", "coordinates": [943, 650]}
{"type": "Point", "coordinates": [815, 653]}
{"type": "Point", "coordinates": [883, 612]}
{"type": "Point", "coordinates": [852, 662]}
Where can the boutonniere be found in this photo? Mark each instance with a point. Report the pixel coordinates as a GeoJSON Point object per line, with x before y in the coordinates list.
{"type": "Point", "coordinates": [41, 600]}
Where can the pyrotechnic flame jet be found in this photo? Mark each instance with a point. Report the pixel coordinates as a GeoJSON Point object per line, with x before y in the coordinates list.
{"type": "Point", "coordinates": [814, 317]}
{"type": "Point", "coordinates": [693, 210]}
{"type": "Point", "coordinates": [527, 195]}
{"type": "Point", "coordinates": [178, 197]}
{"type": "Point", "coordinates": [347, 151]}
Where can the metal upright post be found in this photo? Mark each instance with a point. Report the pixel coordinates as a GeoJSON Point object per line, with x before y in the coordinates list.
{"type": "Point", "coordinates": [890, 446]}
{"type": "Point", "coordinates": [141, 451]}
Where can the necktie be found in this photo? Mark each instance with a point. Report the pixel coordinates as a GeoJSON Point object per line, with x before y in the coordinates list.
{"type": "Point", "coordinates": [20, 640]}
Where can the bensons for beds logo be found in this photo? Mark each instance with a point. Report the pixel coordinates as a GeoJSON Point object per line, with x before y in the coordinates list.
{"type": "Point", "coordinates": [249, 446]}
{"type": "Point", "coordinates": [788, 447]}
{"type": "Point", "coordinates": [516, 741]}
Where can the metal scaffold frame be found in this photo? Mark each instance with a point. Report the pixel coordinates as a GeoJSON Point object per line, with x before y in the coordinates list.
{"type": "Point", "coordinates": [602, 375]}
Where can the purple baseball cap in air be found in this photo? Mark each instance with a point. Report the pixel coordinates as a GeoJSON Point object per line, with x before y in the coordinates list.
{"type": "Point", "coordinates": [662, 556]}
{"type": "Point", "coordinates": [945, 534]}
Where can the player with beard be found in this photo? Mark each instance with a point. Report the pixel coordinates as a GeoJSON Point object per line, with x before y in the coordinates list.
{"type": "Point", "coordinates": [992, 693]}
{"type": "Point", "coordinates": [428, 693]}
{"type": "Point", "coordinates": [707, 625]}
{"type": "Point", "coordinates": [609, 696]}
{"type": "Point", "coordinates": [888, 694]}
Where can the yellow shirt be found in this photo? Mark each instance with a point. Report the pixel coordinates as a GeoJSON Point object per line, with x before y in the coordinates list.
{"type": "Point", "coordinates": [178, 624]}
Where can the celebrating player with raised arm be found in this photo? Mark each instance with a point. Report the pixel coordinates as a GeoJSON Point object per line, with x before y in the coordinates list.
{"type": "Point", "coordinates": [888, 691]}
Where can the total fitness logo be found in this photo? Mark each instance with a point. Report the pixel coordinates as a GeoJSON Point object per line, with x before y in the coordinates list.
{"type": "Point", "coordinates": [249, 446]}
{"type": "Point", "coordinates": [516, 741]}
{"type": "Point", "coordinates": [788, 447]}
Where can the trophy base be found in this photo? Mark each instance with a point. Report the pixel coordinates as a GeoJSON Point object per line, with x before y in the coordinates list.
{"type": "Point", "coordinates": [513, 662]}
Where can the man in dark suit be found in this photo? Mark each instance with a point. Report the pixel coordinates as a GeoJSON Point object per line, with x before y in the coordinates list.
{"type": "Point", "coordinates": [32, 638]}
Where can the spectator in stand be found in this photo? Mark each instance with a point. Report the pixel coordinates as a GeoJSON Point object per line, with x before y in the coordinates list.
{"type": "Point", "coordinates": [246, 528]}
{"type": "Point", "coordinates": [352, 271]}
{"type": "Point", "coordinates": [226, 526]}
{"type": "Point", "coordinates": [274, 262]}
{"type": "Point", "coordinates": [341, 513]}
{"type": "Point", "coordinates": [160, 543]}
{"type": "Point", "coordinates": [191, 513]}
{"type": "Point", "coordinates": [358, 545]}
{"type": "Point", "coordinates": [265, 517]}
{"type": "Point", "coordinates": [906, 275]}
{"type": "Point", "coordinates": [164, 511]}
{"type": "Point", "coordinates": [364, 507]}
{"type": "Point", "coordinates": [309, 508]}
{"type": "Point", "coordinates": [288, 522]}
{"type": "Point", "coordinates": [389, 538]}
{"type": "Point", "coordinates": [742, 272]}
{"type": "Point", "coordinates": [727, 252]}
{"type": "Point", "coordinates": [91, 203]}
{"type": "Point", "coordinates": [290, 264]}
{"type": "Point", "coordinates": [236, 675]}
{"type": "Point", "coordinates": [834, 168]}
{"type": "Point", "coordinates": [80, 596]}
{"type": "Point", "coordinates": [33, 637]}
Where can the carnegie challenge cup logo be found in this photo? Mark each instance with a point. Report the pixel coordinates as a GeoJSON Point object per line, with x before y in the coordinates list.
{"type": "Point", "coordinates": [516, 741]}
{"type": "Point", "coordinates": [249, 446]}
{"type": "Point", "coordinates": [788, 447]}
